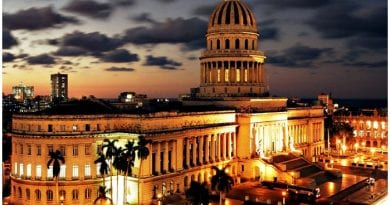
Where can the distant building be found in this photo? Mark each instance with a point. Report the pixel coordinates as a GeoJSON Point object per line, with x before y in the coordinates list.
{"type": "Point", "coordinates": [327, 101]}
{"type": "Point", "coordinates": [130, 100]}
{"type": "Point", "coordinates": [59, 86]}
{"type": "Point", "coordinates": [22, 92]}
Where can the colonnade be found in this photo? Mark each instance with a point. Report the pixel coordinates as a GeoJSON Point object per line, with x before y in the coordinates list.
{"type": "Point", "coordinates": [231, 72]}
{"type": "Point", "coordinates": [269, 137]}
{"type": "Point", "coordinates": [298, 133]}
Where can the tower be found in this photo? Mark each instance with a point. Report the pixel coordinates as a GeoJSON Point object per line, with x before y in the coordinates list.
{"type": "Point", "coordinates": [232, 65]}
{"type": "Point", "coordinates": [59, 86]}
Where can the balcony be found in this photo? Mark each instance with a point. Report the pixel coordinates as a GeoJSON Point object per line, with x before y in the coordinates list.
{"type": "Point", "coordinates": [231, 52]}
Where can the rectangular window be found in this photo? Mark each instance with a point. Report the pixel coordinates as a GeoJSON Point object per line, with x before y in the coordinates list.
{"type": "Point", "coordinates": [87, 149]}
{"type": "Point", "coordinates": [87, 127]}
{"type": "Point", "coordinates": [50, 172]}
{"type": "Point", "coordinates": [39, 128]}
{"type": "Point", "coordinates": [28, 174]}
{"type": "Point", "coordinates": [226, 75]}
{"type": "Point", "coordinates": [50, 149]}
{"type": "Point", "coordinates": [28, 149]}
{"type": "Point", "coordinates": [21, 171]}
{"type": "Point", "coordinates": [74, 128]}
{"type": "Point", "coordinates": [39, 150]}
{"type": "Point", "coordinates": [62, 128]}
{"type": "Point", "coordinates": [75, 171]}
{"type": "Point", "coordinates": [99, 149]}
{"type": "Point", "coordinates": [219, 75]}
{"type": "Point", "coordinates": [238, 76]}
{"type": "Point", "coordinates": [50, 128]}
{"type": "Point", "coordinates": [16, 168]}
{"type": "Point", "coordinates": [62, 150]}
{"type": "Point", "coordinates": [75, 151]}
{"type": "Point", "coordinates": [63, 171]}
{"type": "Point", "coordinates": [98, 169]}
{"type": "Point", "coordinates": [87, 170]}
{"type": "Point", "coordinates": [21, 148]}
{"type": "Point", "coordinates": [246, 75]}
{"type": "Point", "coordinates": [38, 171]}
{"type": "Point", "coordinates": [98, 127]}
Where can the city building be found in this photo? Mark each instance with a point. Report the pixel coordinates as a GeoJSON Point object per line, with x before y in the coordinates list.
{"type": "Point", "coordinates": [327, 101]}
{"type": "Point", "coordinates": [59, 86]}
{"type": "Point", "coordinates": [22, 92]}
{"type": "Point", "coordinates": [228, 121]}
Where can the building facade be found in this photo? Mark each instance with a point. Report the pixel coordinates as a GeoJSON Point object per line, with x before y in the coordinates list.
{"type": "Point", "coordinates": [185, 144]}
{"type": "Point", "coordinates": [23, 92]}
{"type": "Point", "coordinates": [59, 86]}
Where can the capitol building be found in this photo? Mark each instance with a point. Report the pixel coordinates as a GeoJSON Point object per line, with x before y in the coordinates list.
{"type": "Point", "coordinates": [238, 125]}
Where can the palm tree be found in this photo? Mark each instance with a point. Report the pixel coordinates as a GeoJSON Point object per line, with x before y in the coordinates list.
{"type": "Point", "coordinates": [129, 157]}
{"type": "Point", "coordinates": [56, 158]}
{"type": "Point", "coordinates": [109, 146]}
{"type": "Point", "coordinates": [102, 199]}
{"type": "Point", "coordinates": [198, 194]}
{"type": "Point", "coordinates": [103, 166]}
{"type": "Point", "coordinates": [142, 153]}
{"type": "Point", "coordinates": [221, 181]}
{"type": "Point", "coordinates": [119, 164]}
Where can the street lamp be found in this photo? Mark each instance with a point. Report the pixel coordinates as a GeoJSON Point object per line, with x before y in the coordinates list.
{"type": "Point", "coordinates": [62, 199]}
{"type": "Point", "coordinates": [159, 198]}
{"type": "Point", "coordinates": [284, 197]}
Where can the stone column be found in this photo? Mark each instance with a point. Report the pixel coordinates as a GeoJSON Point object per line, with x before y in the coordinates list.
{"type": "Point", "coordinates": [207, 152]}
{"type": "Point", "coordinates": [255, 72]}
{"type": "Point", "coordinates": [194, 154]}
{"type": "Point", "coordinates": [224, 146]}
{"type": "Point", "coordinates": [166, 150]}
{"type": "Point", "coordinates": [212, 146]}
{"type": "Point", "coordinates": [187, 152]}
{"type": "Point", "coordinates": [201, 141]}
{"type": "Point", "coordinates": [218, 145]}
{"type": "Point", "coordinates": [157, 165]}
{"type": "Point", "coordinates": [146, 164]}
{"type": "Point", "coordinates": [179, 153]}
{"type": "Point", "coordinates": [235, 144]}
{"type": "Point", "coordinates": [229, 145]}
{"type": "Point", "coordinates": [223, 72]}
{"type": "Point", "coordinates": [242, 80]}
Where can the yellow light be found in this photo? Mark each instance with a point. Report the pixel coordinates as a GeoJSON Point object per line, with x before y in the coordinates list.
{"type": "Point", "coordinates": [283, 193]}
{"type": "Point", "coordinates": [331, 161]}
{"type": "Point", "coordinates": [159, 196]}
{"type": "Point", "coordinates": [338, 141]}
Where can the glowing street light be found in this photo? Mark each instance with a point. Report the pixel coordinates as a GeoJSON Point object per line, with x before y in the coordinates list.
{"type": "Point", "coordinates": [284, 197]}
{"type": "Point", "coordinates": [159, 198]}
{"type": "Point", "coordinates": [343, 148]}
{"type": "Point", "coordinates": [62, 199]}
{"type": "Point", "coordinates": [331, 163]}
{"type": "Point", "coordinates": [372, 151]}
{"type": "Point", "coordinates": [356, 147]}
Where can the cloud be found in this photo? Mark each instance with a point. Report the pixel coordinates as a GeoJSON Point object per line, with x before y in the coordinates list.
{"type": "Point", "coordinates": [36, 18]}
{"type": "Point", "coordinates": [166, 1]}
{"type": "Point", "coordinates": [301, 4]}
{"type": "Point", "coordinates": [8, 57]}
{"type": "Point", "coordinates": [89, 8]}
{"type": "Point", "coordinates": [123, 2]}
{"type": "Point", "coordinates": [8, 39]}
{"type": "Point", "coordinates": [268, 30]}
{"type": "Point", "coordinates": [43, 59]}
{"type": "Point", "coordinates": [70, 51]}
{"type": "Point", "coordinates": [298, 56]}
{"type": "Point", "coordinates": [189, 31]}
{"type": "Point", "coordinates": [365, 64]}
{"type": "Point", "coordinates": [204, 10]}
{"type": "Point", "coordinates": [143, 18]}
{"type": "Point", "coordinates": [93, 42]}
{"type": "Point", "coordinates": [163, 62]}
{"type": "Point", "coordinates": [119, 69]}
{"type": "Point", "coordinates": [119, 56]}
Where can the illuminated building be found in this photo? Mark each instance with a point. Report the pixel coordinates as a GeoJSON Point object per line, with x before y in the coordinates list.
{"type": "Point", "coordinates": [59, 86]}
{"type": "Point", "coordinates": [227, 122]}
{"type": "Point", "coordinates": [22, 92]}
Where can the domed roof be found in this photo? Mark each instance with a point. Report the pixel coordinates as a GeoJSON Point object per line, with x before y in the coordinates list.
{"type": "Point", "coordinates": [232, 14]}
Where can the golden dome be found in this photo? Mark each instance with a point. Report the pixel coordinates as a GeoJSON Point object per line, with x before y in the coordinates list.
{"type": "Point", "coordinates": [232, 15]}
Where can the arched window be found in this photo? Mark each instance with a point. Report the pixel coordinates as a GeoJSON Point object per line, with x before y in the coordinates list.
{"type": "Point", "coordinates": [75, 194]}
{"type": "Point", "coordinates": [88, 193]}
{"type": "Point", "coordinates": [38, 195]}
{"type": "Point", "coordinates": [211, 44]}
{"type": "Point", "coordinates": [253, 44]}
{"type": "Point", "coordinates": [63, 194]}
{"type": "Point", "coordinates": [237, 44]}
{"type": "Point", "coordinates": [185, 181]}
{"type": "Point", "coordinates": [19, 192]}
{"type": "Point", "coordinates": [49, 195]}
{"type": "Point", "coordinates": [218, 44]}
{"type": "Point", "coordinates": [227, 44]}
{"type": "Point", "coordinates": [28, 194]}
{"type": "Point", "coordinates": [246, 44]}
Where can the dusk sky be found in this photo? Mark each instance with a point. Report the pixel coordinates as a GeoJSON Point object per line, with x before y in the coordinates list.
{"type": "Point", "coordinates": [152, 46]}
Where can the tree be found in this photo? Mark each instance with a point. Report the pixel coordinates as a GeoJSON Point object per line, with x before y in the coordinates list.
{"type": "Point", "coordinates": [119, 164]}
{"type": "Point", "coordinates": [142, 154]}
{"type": "Point", "coordinates": [221, 181]}
{"type": "Point", "coordinates": [102, 199]}
{"type": "Point", "coordinates": [128, 157]}
{"type": "Point", "coordinates": [341, 130]}
{"type": "Point", "coordinates": [109, 146]}
{"type": "Point", "coordinates": [56, 159]}
{"type": "Point", "coordinates": [103, 170]}
{"type": "Point", "coordinates": [198, 194]}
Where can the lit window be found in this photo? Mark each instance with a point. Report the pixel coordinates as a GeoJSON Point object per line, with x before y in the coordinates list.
{"type": "Point", "coordinates": [226, 75]}
{"type": "Point", "coordinates": [87, 170]}
{"type": "Point", "coordinates": [75, 171]}
{"type": "Point", "coordinates": [88, 193]}
{"type": "Point", "coordinates": [98, 169]}
{"type": "Point", "coordinates": [368, 125]}
{"type": "Point", "coordinates": [16, 168]}
{"type": "Point", "coordinates": [74, 128]}
{"type": "Point", "coordinates": [219, 75]}
{"type": "Point", "coordinates": [50, 172]}
{"type": "Point", "coordinates": [38, 194]}
{"type": "Point", "coordinates": [38, 171]}
{"type": "Point", "coordinates": [238, 76]}
{"type": "Point", "coordinates": [63, 194]}
{"type": "Point", "coordinates": [211, 76]}
{"type": "Point", "coordinates": [63, 171]}
{"type": "Point", "coordinates": [246, 75]}
{"type": "Point", "coordinates": [28, 174]}
{"type": "Point", "coordinates": [21, 170]}
{"type": "Point", "coordinates": [375, 125]}
{"type": "Point", "coordinates": [383, 125]}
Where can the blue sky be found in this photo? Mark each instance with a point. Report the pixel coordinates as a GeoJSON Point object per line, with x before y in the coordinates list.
{"type": "Point", "coordinates": [152, 46]}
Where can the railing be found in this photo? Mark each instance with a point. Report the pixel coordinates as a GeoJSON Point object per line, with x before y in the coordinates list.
{"type": "Point", "coordinates": [232, 52]}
